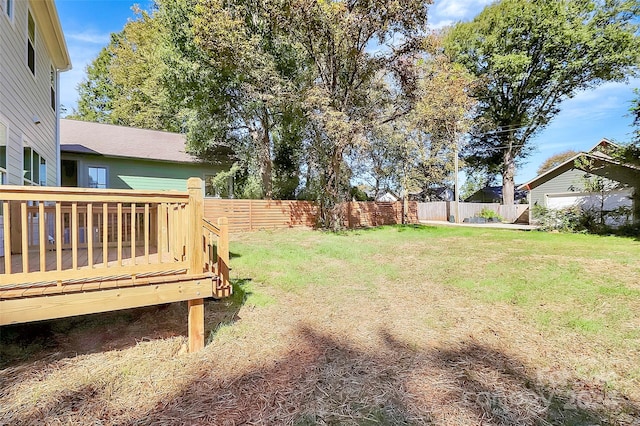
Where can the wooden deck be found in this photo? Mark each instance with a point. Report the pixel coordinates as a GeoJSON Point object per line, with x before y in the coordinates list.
{"type": "Point", "coordinates": [144, 248]}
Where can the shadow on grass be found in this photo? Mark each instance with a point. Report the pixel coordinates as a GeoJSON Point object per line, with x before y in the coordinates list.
{"type": "Point", "coordinates": [326, 381]}
{"type": "Point", "coordinates": [86, 334]}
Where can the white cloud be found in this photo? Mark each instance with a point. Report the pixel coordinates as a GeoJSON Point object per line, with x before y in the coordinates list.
{"type": "Point", "coordinates": [447, 12]}
{"type": "Point", "coordinates": [441, 24]}
{"type": "Point", "coordinates": [89, 37]}
{"type": "Point", "coordinates": [607, 99]}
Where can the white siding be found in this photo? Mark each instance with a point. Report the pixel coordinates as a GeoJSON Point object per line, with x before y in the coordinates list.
{"type": "Point", "coordinates": [23, 96]}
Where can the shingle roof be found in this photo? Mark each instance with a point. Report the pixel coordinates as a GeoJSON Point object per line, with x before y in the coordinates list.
{"type": "Point", "coordinates": [83, 137]}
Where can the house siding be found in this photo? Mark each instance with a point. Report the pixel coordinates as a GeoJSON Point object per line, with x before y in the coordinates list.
{"type": "Point", "coordinates": [123, 173]}
{"type": "Point", "coordinates": [569, 181]}
{"type": "Point", "coordinates": [23, 96]}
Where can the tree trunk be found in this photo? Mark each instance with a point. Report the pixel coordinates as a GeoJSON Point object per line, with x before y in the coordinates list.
{"type": "Point", "coordinates": [331, 212]}
{"type": "Point", "coordinates": [264, 159]}
{"type": "Point", "coordinates": [508, 174]}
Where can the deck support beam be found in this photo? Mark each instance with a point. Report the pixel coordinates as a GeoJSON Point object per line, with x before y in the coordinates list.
{"type": "Point", "coordinates": [195, 255]}
{"type": "Point", "coordinates": [196, 324]}
{"type": "Point", "coordinates": [27, 309]}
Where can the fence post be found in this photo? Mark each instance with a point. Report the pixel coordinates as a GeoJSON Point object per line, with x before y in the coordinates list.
{"type": "Point", "coordinates": [196, 261]}
{"type": "Point", "coordinates": [223, 256]}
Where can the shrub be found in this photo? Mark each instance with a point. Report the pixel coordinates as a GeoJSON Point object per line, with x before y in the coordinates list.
{"type": "Point", "coordinates": [490, 214]}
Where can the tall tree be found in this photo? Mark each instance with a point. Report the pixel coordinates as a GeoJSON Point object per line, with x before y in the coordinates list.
{"type": "Point", "coordinates": [555, 160]}
{"type": "Point", "coordinates": [336, 36]}
{"type": "Point", "coordinates": [238, 72]}
{"type": "Point", "coordinates": [123, 85]}
{"type": "Point", "coordinates": [96, 92]}
{"type": "Point", "coordinates": [531, 56]}
{"type": "Point", "coordinates": [635, 111]}
{"type": "Point", "coordinates": [137, 68]}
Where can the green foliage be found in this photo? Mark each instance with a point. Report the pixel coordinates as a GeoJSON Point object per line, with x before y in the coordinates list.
{"type": "Point", "coordinates": [124, 84]}
{"type": "Point", "coordinates": [564, 220]}
{"type": "Point", "coordinates": [635, 111]}
{"type": "Point", "coordinates": [530, 56]}
{"type": "Point", "coordinates": [555, 160]}
{"type": "Point", "coordinates": [575, 219]}
{"type": "Point", "coordinates": [339, 102]}
{"type": "Point", "coordinates": [97, 91]}
{"type": "Point", "coordinates": [490, 214]}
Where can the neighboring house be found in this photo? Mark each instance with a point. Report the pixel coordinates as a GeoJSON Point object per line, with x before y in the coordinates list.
{"type": "Point", "coordinates": [564, 185]}
{"type": "Point", "coordinates": [96, 155]}
{"type": "Point", "coordinates": [387, 197]}
{"type": "Point", "coordinates": [440, 193]}
{"type": "Point", "coordinates": [32, 54]}
{"type": "Point", "coordinates": [493, 194]}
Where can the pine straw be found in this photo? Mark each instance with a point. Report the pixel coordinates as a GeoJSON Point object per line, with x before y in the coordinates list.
{"type": "Point", "coordinates": [409, 352]}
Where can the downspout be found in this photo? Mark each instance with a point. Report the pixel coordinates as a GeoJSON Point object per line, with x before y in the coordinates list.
{"type": "Point", "coordinates": [58, 159]}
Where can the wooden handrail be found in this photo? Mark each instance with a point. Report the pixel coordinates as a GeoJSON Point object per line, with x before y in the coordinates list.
{"type": "Point", "coordinates": [123, 248]}
{"type": "Point", "coordinates": [48, 193]}
{"type": "Point", "coordinates": [210, 227]}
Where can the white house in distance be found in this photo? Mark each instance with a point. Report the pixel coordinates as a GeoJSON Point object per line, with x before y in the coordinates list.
{"type": "Point", "coordinates": [32, 54]}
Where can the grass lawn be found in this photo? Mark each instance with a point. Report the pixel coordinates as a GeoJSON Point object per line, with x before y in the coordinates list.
{"type": "Point", "coordinates": [395, 325]}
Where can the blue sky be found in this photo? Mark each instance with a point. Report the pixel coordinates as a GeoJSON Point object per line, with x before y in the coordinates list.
{"type": "Point", "coordinates": [583, 121]}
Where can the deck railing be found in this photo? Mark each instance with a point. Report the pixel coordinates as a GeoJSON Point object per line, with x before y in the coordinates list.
{"type": "Point", "coordinates": [60, 234]}
{"type": "Point", "coordinates": [95, 250]}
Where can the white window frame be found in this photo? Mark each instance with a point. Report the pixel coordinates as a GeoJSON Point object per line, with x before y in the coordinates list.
{"type": "Point", "coordinates": [106, 175]}
{"type": "Point", "coordinates": [3, 167]}
{"type": "Point", "coordinates": [52, 94]}
{"type": "Point", "coordinates": [8, 9]}
{"type": "Point", "coordinates": [28, 39]}
{"type": "Point", "coordinates": [42, 178]}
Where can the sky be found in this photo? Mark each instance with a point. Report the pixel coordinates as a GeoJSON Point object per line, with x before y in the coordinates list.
{"type": "Point", "coordinates": [583, 121]}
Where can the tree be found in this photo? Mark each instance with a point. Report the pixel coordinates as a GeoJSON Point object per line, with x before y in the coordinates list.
{"type": "Point", "coordinates": [239, 74]}
{"type": "Point", "coordinates": [137, 68]}
{"type": "Point", "coordinates": [443, 109]}
{"type": "Point", "coordinates": [97, 91]}
{"type": "Point", "coordinates": [336, 37]}
{"type": "Point", "coordinates": [531, 55]}
{"type": "Point", "coordinates": [124, 83]}
{"type": "Point", "coordinates": [635, 111]}
{"type": "Point", "coordinates": [555, 160]}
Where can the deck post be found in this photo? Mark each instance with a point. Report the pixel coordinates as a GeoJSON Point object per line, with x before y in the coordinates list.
{"type": "Point", "coordinates": [196, 261]}
{"type": "Point", "coordinates": [223, 256]}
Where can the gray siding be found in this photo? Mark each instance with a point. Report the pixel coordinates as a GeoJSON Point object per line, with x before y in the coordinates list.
{"type": "Point", "coordinates": [569, 181]}
{"type": "Point", "coordinates": [23, 96]}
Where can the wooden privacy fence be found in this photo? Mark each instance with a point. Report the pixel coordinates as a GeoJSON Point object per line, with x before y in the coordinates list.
{"type": "Point", "coordinates": [442, 210]}
{"type": "Point", "coordinates": [250, 215]}
{"type": "Point", "coordinates": [360, 214]}
{"type": "Point", "coordinates": [74, 251]}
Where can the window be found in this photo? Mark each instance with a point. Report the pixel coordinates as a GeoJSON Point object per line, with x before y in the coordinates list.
{"type": "Point", "coordinates": [218, 189]}
{"type": "Point", "coordinates": [3, 153]}
{"type": "Point", "coordinates": [31, 43]}
{"type": "Point", "coordinates": [35, 167]}
{"type": "Point", "coordinates": [97, 177]}
{"type": "Point", "coordinates": [53, 88]}
{"type": "Point", "coordinates": [8, 7]}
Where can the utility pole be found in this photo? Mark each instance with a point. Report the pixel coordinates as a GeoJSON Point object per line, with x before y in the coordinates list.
{"type": "Point", "coordinates": [456, 190]}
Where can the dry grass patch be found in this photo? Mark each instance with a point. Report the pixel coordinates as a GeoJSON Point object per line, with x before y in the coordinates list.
{"type": "Point", "coordinates": [396, 326]}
